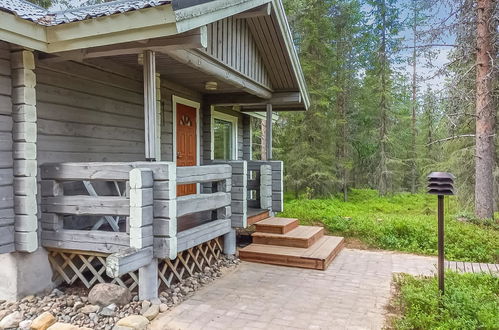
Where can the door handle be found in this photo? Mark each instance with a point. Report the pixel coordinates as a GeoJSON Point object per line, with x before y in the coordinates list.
{"type": "Point", "coordinates": [179, 155]}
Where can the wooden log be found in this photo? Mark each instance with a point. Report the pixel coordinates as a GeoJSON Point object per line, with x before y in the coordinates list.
{"type": "Point", "coordinates": [141, 197]}
{"type": "Point", "coordinates": [165, 247]}
{"type": "Point", "coordinates": [148, 281]}
{"type": "Point", "coordinates": [6, 235]}
{"type": "Point", "coordinates": [52, 221]}
{"type": "Point", "coordinates": [199, 203]}
{"type": "Point", "coordinates": [200, 174]}
{"type": "Point", "coordinates": [109, 171]}
{"type": "Point", "coordinates": [128, 260]}
{"type": "Point", "coordinates": [26, 223]}
{"type": "Point", "coordinates": [6, 217]}
{"type": "Point", "coordinates": [164, 190]}
{"type": "Point", "coordinates": [141, 216]}
{"type": "Point", "coordinates": [230, 243]}
{"type": "Point", "coordinates": [141, 178]}
{"type": "Point", "coordinates": [141, 237]}
{"type": "Point", "coordinates": [165, 209]}
{"type": "Point", "coordinates": [98, 241]}
{"type": "Point", "coordinates": [203, 233]}
{"type": "Point", "coordinates": [26, 241]}
{"type": "Point", "coordinates": [86, 205]}
{"type": "Point", "coordinates": [165, 227]}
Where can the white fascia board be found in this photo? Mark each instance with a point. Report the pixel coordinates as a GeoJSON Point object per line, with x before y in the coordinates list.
{"type": "Point", "coordinates": [288, 40]}
{"type": "Point", "coordinates": [193, 17]}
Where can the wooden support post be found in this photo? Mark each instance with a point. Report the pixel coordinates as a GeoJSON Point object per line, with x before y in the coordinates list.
{"type": "Point", "coordinates": [230, 242]}
{"type": "Point", "coordinates": [247, 138]}
{"type": "Point", "coordinates": [24, 133]}
{"type": "Point", "coordinates": [148, 281]}
{"type": "Point", "coordinates": [268, 137]}
{"type": "Point", "coordinates": [150, 103]}
{"type": "Point", "coordinates": [141, 229]}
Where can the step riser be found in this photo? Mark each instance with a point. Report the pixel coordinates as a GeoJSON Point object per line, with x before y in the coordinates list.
{"type": "Point", "coordinates": [276, 229]}
{"type": "Point", "coordinates": [292, 256]}
{"type": "Point", "coordinates": [259, 217]}
{"type": "Point", "coordinates": [286, 241]}
{"type": "Point", "coordinates": [281, 260]}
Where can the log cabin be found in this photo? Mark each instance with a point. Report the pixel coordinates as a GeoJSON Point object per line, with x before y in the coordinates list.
{"type": "Point", "coordinates": [126, 137]}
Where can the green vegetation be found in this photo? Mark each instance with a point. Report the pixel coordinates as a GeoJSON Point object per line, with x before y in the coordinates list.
{"type": "Point", "coordinates": [471, 301]}
{"type": "Point", "coordinates": [403, 222]}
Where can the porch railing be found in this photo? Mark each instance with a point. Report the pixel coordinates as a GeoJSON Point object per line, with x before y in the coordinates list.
{"type": "Point", "coordinates": [265, 185]}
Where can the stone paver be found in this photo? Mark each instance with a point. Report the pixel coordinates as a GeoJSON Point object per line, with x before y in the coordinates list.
{"type": "Point", "coordinates": [350, 294]}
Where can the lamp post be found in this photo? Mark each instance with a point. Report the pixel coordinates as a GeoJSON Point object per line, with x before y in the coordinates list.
{"type": "Point", "coordinates": [441, 184]}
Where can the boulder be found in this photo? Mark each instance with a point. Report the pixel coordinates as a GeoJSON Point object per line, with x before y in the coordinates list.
{"type": "Point", "coordinates": [151, 312]}
{"type": "Point", "coordinates": [135, 322]}
{"type": "Point", "coordinates": [11, 321]}
{"type": "Point", "coordinates": [105, 294]}
{"type": "Point", "coordinates": [43, 321]}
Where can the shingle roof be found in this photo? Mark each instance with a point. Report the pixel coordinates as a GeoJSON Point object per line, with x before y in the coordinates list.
{"type": "Point", "coordinates": [27, 10]}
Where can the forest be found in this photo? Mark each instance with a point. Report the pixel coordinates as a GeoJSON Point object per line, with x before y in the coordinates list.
{"type": "Point", "coordinates": [399, 89]}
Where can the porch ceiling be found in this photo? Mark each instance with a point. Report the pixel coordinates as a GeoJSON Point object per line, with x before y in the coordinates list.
{"type": "Point", "coordinates": [180, 73]}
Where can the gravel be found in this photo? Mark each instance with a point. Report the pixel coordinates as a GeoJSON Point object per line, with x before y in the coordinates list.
{"type": "Point", "coordinates": [69, 304]}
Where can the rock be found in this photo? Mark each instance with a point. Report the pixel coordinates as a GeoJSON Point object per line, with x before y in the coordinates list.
{"type": "Point", "coordinates": [11, 321]}
{"type": "Point", "coordinates": [163, 308]}
{"type": "Point", "coordinates": [78, 305]}
{"type": "Point", "coordinates": [145, 306]}
{"type": "Point", "coordinates": [89, 309]}
{"type": "Point", "coordinates": [151, 312]}
{"type": "Point", "coordinates": [135, 322]}
{"type": "Point", "coordinates": [175, 300]}
{"type": "Point", "coordinates": [62, 326]}
{"type": "Point", "coordinates": [25, 325]}
{"type": "Point", "coordinates": [56, 292]}
{"type": "Point", "coordinates": [105, 294]}
{"type": "Point", "coordinates": [4, 313]}
{"type": "Point", "coordinates": [109, 310]}
{"type": "Point", "coordinates": [43, 321]}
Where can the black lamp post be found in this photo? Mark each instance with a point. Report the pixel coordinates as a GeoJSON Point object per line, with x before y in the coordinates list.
{"type": "Point", "coordinates": [441, 184]}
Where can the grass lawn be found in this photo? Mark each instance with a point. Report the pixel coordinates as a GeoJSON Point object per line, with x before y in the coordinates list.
{"type": "Point", "coordinates": [471, 301]}
{"type": "Point", "coordinates": [403, 222]}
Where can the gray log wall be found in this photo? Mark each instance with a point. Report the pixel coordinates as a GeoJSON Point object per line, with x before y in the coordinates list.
{"type": "Point", "coordinates": [6, 163]}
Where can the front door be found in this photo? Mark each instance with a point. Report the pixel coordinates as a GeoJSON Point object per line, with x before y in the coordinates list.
{"type": "Point", "coordinates": [186, 144]}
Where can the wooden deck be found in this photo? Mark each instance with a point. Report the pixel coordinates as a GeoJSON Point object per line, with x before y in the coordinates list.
{"type": "Point", "coordinates": [281, 241]}
{"type": "Point", "coordinates": [255, 215]}
{"type": "Point", "coordinates": [472, 267]}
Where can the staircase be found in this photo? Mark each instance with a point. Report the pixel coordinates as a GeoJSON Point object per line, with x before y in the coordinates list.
{"type": "Point", "coordinates": [282, 241]}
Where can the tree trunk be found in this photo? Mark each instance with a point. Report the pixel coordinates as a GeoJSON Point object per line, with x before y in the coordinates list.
{"type": "Point", "coordinates": [414, 105]}
{"type": "Point", "coordinates": [485, 114]}
{"type": "Point", "coordinates": [382, 185]}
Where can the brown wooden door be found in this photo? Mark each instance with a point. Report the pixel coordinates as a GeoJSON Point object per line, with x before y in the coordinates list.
{"type": "Point", "coordinates": [186, 144]}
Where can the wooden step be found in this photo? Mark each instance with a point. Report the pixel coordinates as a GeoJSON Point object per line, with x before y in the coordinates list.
{"type": "Point", "coordinates": [255, 215]}
{"type": "Point", "coordinates": [276, 225]}
{"type": "Point", "coordinates": [301, 236]}
{"type": "Point", "coordinates": [318, 256]}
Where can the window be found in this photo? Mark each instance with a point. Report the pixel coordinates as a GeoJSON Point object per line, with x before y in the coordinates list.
{"type": "Point", "coordinates": [224, 128]}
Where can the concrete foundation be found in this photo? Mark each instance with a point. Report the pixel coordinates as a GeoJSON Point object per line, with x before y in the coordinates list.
{"type": "Point", "coordinates": [23, 274]}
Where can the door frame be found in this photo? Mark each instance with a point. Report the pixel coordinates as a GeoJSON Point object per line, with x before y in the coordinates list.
{"type": "Point", "coordinates": [180, 100]}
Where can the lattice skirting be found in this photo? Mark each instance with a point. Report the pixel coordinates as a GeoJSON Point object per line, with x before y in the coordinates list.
{"type": "Point", "coordinates": [189, 262]}
{"type": "Point", "coordinates": [89, 268]}
{"type": "Point", "coordinates": [86, 267]}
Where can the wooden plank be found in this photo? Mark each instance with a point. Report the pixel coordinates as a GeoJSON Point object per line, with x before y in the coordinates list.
{"type": "Point", "coordinates": [203, 233]}
{"type": "Point", "coordinates": [117, 171]}
{"type": "Point", "coordinates": [200, 174]}
{"type": "Point", "coordinates": [128, 260]}
{"type": "Point", "coordinates": [302, 236]}
{"type": "Point", "coordinates": [295, 257]}
{"type": "Point", "coordinates": [275, 225]}
{"type": "Point", "coordinates": [165, 247]}
{"type": "Point", "coordinates": [86, 205]}
{"type": "Point", "coordinates": [98, 241]}
{"type": "Point", "coordinates": [199, 203]}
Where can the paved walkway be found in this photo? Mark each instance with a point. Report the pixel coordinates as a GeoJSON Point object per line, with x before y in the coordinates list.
{"type": "Point", "coordinates": [351, 294]}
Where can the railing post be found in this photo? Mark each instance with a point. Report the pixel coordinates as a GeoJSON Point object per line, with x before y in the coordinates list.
{"type": "Point", "coordinates": [141, 228]}
{"type": "Point", "coordinates": [277, 185]}
{"type": "Point", "coordinates": [165, 213]}
{"type": "Point", "coordinates": [266, 187]}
